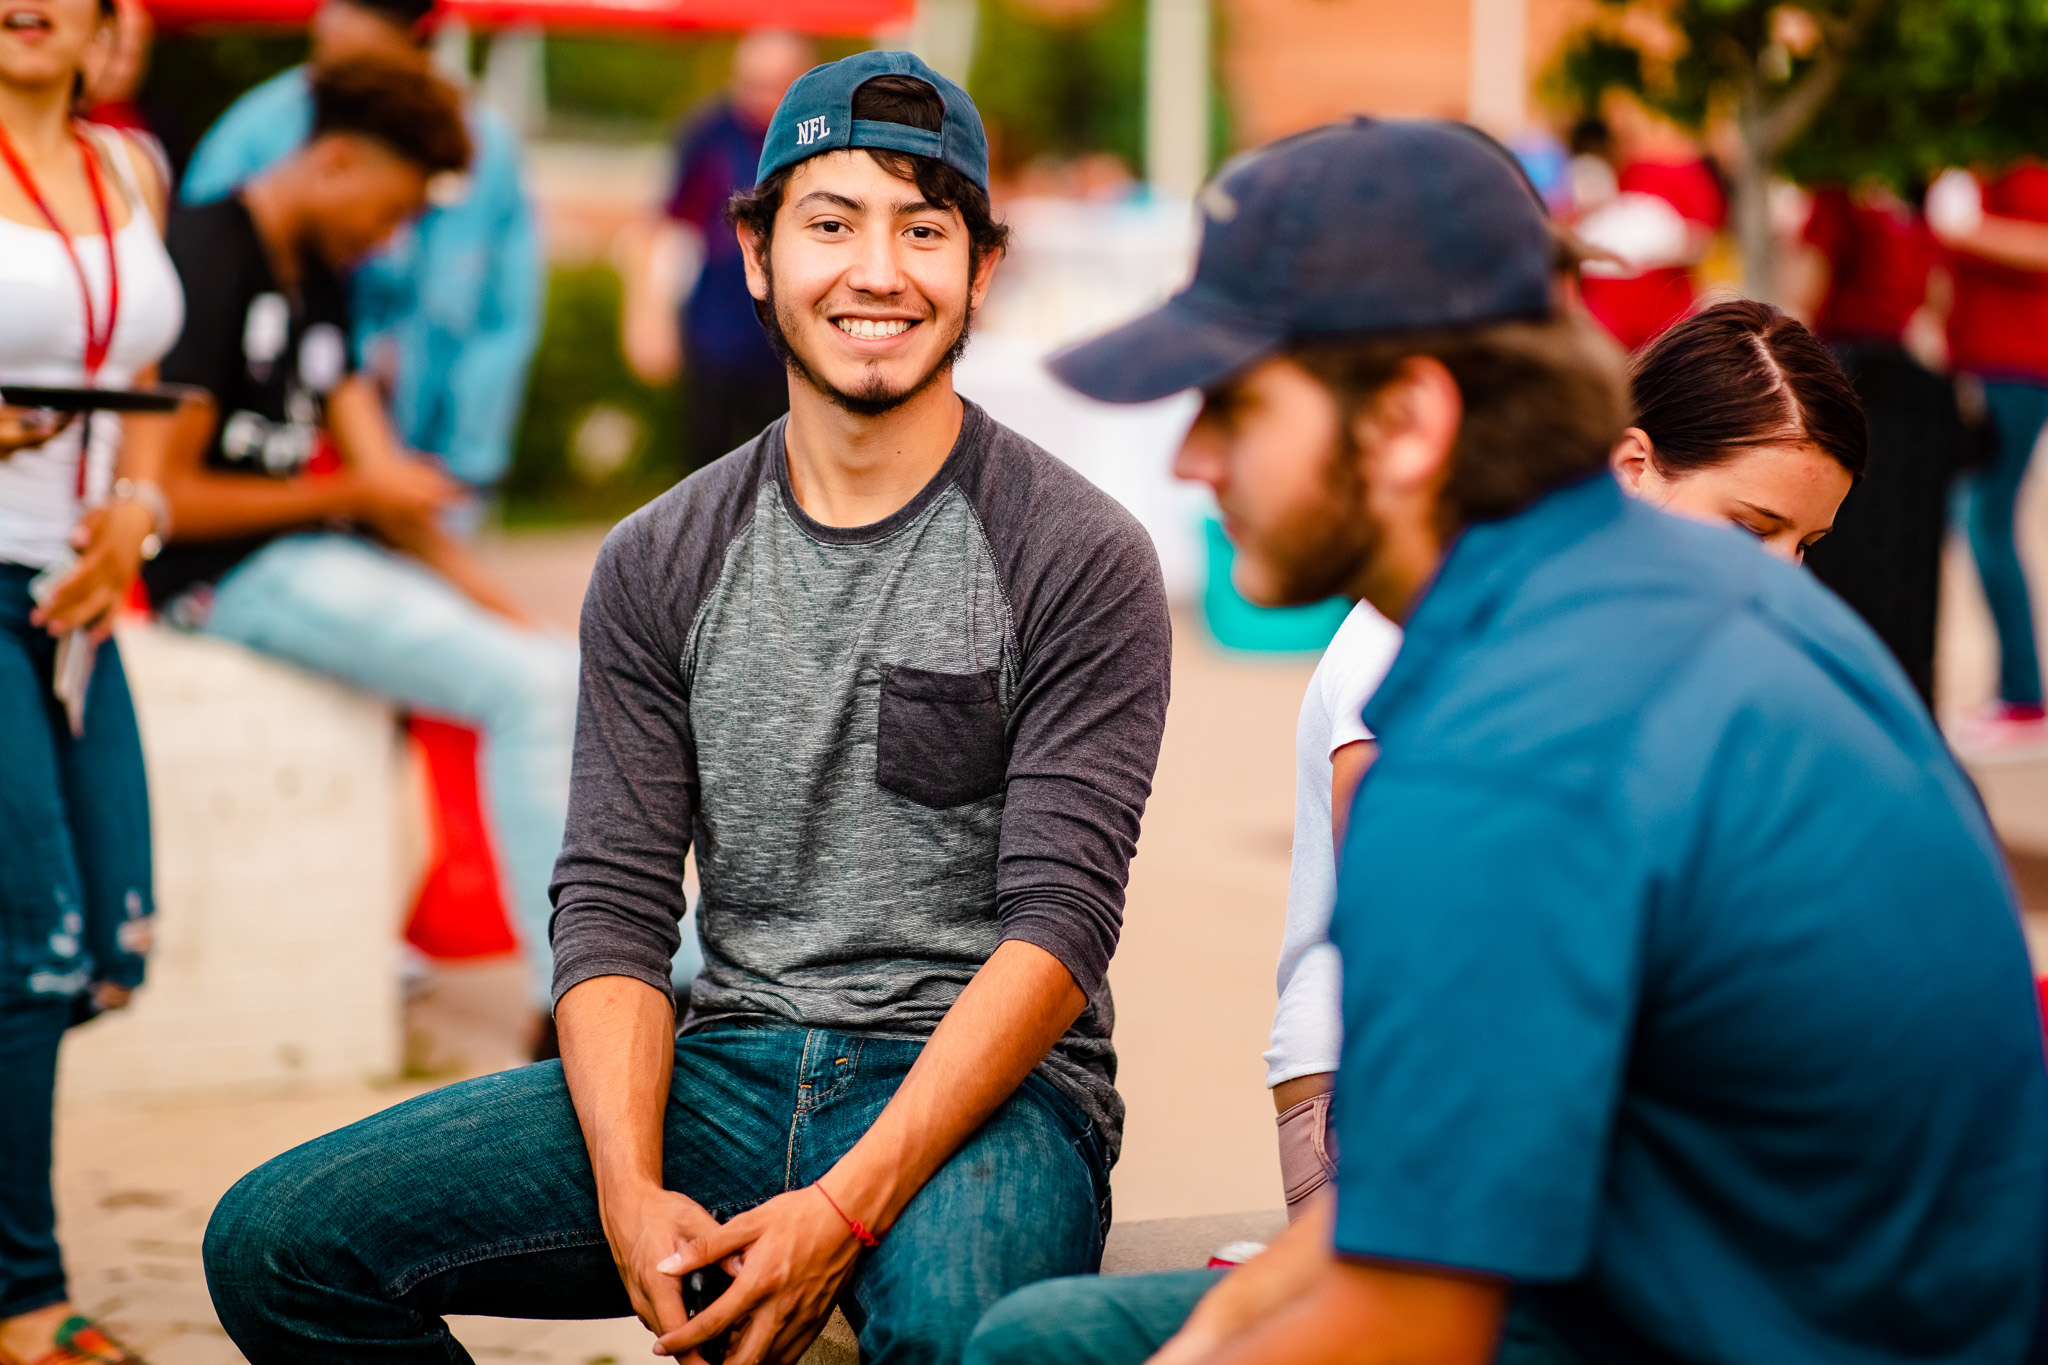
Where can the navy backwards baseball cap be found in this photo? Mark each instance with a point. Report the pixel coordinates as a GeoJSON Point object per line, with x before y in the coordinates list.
{"type": "Point", "coordinates": [1360, 226]}
{"type": "Point", "coordinates": [817, 116]}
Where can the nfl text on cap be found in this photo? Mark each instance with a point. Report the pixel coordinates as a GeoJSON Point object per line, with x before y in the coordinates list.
{"type": "Point", "coordinates": [817, 116]}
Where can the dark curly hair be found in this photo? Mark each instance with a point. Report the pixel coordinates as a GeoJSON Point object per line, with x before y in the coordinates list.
{"type": "Point", "coordinates": [406, 108]}
{"type": "Point", "coordinates": [1742, 374]}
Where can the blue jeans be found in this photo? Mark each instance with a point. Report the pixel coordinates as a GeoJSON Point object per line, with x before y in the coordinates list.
{"type": "Point", "coordinates": [31, 1268]}
{"type": "Point", "coordinates": [75, 894]}
{"type": "Point", "coordinates": [479, 1199]}
{"type": "Point", "coordinates": [75, 906]}
{"type": "Point", "coordinates": [342, 606]}
{"type": "Point", "coordinates": [1123, 1319]}
{"type": "Point", "coordinates": [2020, 410]}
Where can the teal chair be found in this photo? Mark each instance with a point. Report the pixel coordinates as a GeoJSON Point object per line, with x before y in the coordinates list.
{"type": "Point", "coordinates": [1237, 624]}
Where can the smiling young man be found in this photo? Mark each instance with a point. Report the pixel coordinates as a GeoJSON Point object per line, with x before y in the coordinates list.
{"type": "Point", "coordinates": [1687, 1015]}
{"type": "Point", "coordinates": [898, 677]}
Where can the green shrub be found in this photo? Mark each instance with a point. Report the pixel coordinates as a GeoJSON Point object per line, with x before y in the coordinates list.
{"type": "Point", "coordinates": [594, 442]}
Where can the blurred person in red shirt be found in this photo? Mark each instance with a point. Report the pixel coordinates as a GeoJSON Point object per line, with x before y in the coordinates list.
{"type": "Point", "coordinates": [1862, 271]}
{"type": "Point", "coordinates": [1659, 216]}
{"type": "Point", "coordinates": [1995, 229]}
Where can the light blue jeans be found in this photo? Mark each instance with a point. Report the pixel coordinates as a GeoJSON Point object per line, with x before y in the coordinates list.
{"type": "Point", "coordinates": [342, 606]}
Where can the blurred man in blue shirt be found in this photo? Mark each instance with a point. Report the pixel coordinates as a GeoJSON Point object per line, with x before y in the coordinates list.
{"type": "Point", "coordinates": [1687, 1015]}
{"type": "Point", "coordinates": [735, 381]}
{"type": "Point", "coordinates": [457, 297]}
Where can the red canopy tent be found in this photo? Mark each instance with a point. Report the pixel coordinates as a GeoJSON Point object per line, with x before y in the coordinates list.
{"type": "Point", "coordinates": [822, 17]}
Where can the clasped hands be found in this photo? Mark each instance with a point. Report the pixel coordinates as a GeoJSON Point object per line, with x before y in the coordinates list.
{"type": "Point", "coordinates": [788, 1257]}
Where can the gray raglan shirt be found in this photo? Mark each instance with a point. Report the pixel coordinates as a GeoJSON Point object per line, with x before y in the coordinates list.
{"type": "Point", "coordinates": [893, 747]}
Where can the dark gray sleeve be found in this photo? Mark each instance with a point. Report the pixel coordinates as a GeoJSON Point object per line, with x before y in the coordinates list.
{"type": "Point", "coordinates": [618, 884]}
{"type": "Point", "coordinates": [1096, 649]}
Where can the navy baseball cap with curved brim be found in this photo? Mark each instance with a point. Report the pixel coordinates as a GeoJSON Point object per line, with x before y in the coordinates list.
{"type": "Point", "coordinates": [816, 115]}
{"type": "Point", "coordinates": [1365, 226]}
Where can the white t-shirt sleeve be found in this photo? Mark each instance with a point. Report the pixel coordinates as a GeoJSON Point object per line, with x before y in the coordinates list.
{"type": "Point", "coordinates": [1307, 1023]}
{"type": "Point", "coordinates": [1358, 659]}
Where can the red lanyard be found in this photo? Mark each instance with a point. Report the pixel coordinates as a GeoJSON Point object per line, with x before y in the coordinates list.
{"type": "Point", "coordinates": [98, 340]}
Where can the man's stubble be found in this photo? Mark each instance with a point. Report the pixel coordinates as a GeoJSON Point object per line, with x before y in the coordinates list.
{"type": "Point", "coordinates": [875, 397]}
{"type": "Point", "coordinates": [1326, 548]}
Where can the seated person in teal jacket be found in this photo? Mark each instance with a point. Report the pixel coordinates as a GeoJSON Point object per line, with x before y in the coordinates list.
{"type": "Point", "coordinates": [456, 298]}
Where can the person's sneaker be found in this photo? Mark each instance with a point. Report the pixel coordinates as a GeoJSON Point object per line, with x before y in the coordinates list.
{"type": "Point", "coordinates": [1234, 1253]}
{"type": "Point", "coordinates": [2001, 732]}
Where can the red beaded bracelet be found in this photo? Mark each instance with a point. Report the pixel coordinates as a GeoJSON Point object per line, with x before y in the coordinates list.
{"type": "Point", "coordinates": [859, 1230]}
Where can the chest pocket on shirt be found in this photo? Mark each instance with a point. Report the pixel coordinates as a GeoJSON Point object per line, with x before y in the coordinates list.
{"type": "Point", "coordinates": [939, 736]}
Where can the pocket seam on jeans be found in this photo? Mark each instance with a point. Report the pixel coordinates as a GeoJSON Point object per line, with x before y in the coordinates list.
{"type": "Point", "coordinates": [519, 1246]}
{"type": "Point", "coordinates": [839, 1083]}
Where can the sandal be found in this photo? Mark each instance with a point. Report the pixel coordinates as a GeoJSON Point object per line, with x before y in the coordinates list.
{"type": "Point", "coordinates": [81, 1342]}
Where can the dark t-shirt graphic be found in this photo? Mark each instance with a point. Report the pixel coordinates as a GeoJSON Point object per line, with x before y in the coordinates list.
{"type": "Point", "coordinates": [268, 359]}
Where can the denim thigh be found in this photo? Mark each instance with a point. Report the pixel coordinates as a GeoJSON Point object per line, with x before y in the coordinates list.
{"type": "Point", "coordinates": [74, 819]}
{"type": "Point", "coordinates": [1124, 1319]}
{"type": "Point", "coordinates": [1089, 1319]}
{"type": "Point", "coordinates": [1024, 1199]}
{"type": "Point", "coordinates": [477, 1198]}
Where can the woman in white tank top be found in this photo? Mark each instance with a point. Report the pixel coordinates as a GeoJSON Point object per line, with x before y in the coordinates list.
{"type": "Point", "coordinates": [87, 298]}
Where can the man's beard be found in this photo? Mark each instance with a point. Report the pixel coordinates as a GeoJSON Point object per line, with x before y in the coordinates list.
{"type": "Point", "coordinates": [873, 398]}
{"type": "Point", "coordinates": [1326, 549]}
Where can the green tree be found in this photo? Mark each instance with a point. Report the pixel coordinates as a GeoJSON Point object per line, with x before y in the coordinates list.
{"type": "Point", "coordinates": [1061, 80]}
{"type": "Point", "coordinates": [578, 373]}
{"type": "Point", "coordinates": [1943, 85]}
{"type": "Point", "coordinates": [1831, 89]}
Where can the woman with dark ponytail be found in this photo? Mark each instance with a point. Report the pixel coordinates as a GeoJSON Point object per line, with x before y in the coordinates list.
{"type": "Point", "coordinates": [88, 298]}
{"type": "Point", "coordinates": [1743, 417]}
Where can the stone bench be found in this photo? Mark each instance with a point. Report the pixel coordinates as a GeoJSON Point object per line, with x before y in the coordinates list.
{"type": "Point", "coordinates": [282, 862]}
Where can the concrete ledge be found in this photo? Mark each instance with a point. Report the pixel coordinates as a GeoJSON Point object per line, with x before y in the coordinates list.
{"type": "Point", "coordinates": [275, 800]}
{"type": "Point", "coordinates": [1184, 1243]}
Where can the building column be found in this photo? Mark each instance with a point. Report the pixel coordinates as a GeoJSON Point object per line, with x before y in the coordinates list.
{"type": "Point", "coordinates": [1498, 94]}
{"type": "Point", "coordinates": [943, 36]}
{"type": "Point", "coordinates": [1177, 95]}
{"type": "Point", "coordinates": [451, 50]}
{"type": "Point", "coordinates": [515, 79]}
